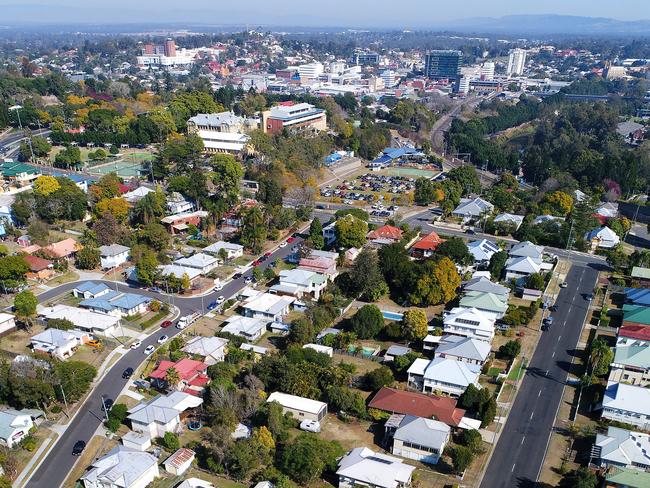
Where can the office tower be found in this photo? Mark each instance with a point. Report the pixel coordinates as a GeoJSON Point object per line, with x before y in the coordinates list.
{"type": "Point", "coordinates": [170, 48]}
{"type": "Point", "coordinates": [390, 78]}
{"type": "Point", "coordinates": [440, 65]}
{"type": "Point", "coordinates": [516, 62]}
{"type": "Point", "coordinates": [487, 71]}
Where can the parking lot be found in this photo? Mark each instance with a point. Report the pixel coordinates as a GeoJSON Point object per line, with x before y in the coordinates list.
{"type": "Point", "coordinates": [369, 188]}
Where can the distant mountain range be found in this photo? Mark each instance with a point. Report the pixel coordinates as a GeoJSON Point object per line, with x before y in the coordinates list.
{"type": "Point", "coordinates": [233, 13]}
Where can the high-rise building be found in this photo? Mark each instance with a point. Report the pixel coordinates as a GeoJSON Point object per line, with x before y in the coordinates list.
{"type": "Point", "coordinates": [364, 58]}
{"type": "Point", "coordinates": [311, 70]}
{"type": "Point", "coordinates": [390, 78]}
{"type": "Point", "coordinates": [440, 65]}
{"type": "Point", "coordinates": [487, 71]}
{"type": "Point", "coordinates": [170, 48]}
{"type": "Point", "coordinates": [516, 62]}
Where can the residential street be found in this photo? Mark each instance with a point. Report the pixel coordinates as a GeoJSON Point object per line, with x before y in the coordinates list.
{"type": "Point", "coordinates": [60, 461]}
{"type": "Point", "coordinates": [520, 451]}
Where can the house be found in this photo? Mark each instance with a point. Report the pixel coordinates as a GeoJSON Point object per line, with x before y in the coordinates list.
{"type": "Point", "coordinates": [482, 251]}
{"type": "Point", "coordinates": [39, 268]}
{"type": "Point", "coordinates": [626, 478]}
{"type": "Point", "coordinates": [222, 132]}
{"type": "Point", "coordinates": [300, 283]}
{"type": "Point", "coordinates": [15, 425]}
{"type": "Point", "coordinates": [329, 351]}
{"type": "Point", "coordinates": [607, 210]}
{"type": "Point", "coordinates": [386, 234]}
{"type": "Point", "coordinates": [117, 304]}
{"type": "Point", "coordinates": [350, 256]}
{"type": "Point", "coordinates": [634, 333]}
{"type": "Point", "coordinates": [472, 208]}
{"type": "Point", "coordinates": [417, 438]}
{"type": "Point", "coordinates": [542, 219]}
{"type": "Point", "coordinates": [179, 272]}
{"type": "Point", "coordinates": [122, 467]}
{"type": "Point", "coordinates": [293, 117]}
{"type": "Point", "coordinates": [233, 251]}
{"type": "Point", "coordinates": [628, 404]}
{"type": "Point", "coordinates": [211, 349]}
{"type": "Point", "coordinates": [7, 322]}
{"type": "Point", "coordinates": [320, 264]}
{"type": "Point", "coordinates": [268, 306]}
{"type": "Point", "coordinates": [509, 219]}
{"type": "Point", "coordinates": [440, 408]}
{"type": "Point", "coordinates": [484, 285]}
{"type": "Point", "coordinates": [196, 483]}
{"type": "Point", "coordinates": [162, 414]}
{"type": "Point", "coordinates": [258, 351]}
{"type": "Point", "coordinates": [113, 256]}
{"type": "Point", "coordinates": [179, 223]}
{"type": "Point", "coordinates": [603, 237]}
{"type": "Point", "coordinates": [430, 342]}
{"type": "Point", "coordinates": [90, 289]}
{"type": "Point", "coordinates": [177, 204]}
{"type": "Point", "coordinates": [97, 324]}
{"type": "Point", "coordinates": [622, 448]}
{"type": "Point", "coordinates": [202, 262]}
{"type": "Point", "coordinates": [363, 467]}
{"type": "Point", "coordinates": [395, 351]}
{"type": "Point", "coordinates": [641, 275]}
{"type": "Point", "coordinates": [469, 322]}
{"type": "Point", "coordinates": [443, 375]}
{"type": "Point", "coordinates": [300, 408]}
{"type": "Point", "coordinates": [637, 296]}
{"type": "Point", "coordinates": [425, 247]}
{"type": "Point", "coordinates": [526, 249]}
{"type": "Point", "coordinates": [192, 376]}
{"type": "Point", "coordinates": [631, 131]}
{"type": "Point", "coordinates": [464, 349]}
{"type": "Point", "coordinates": [492, 305]}
{"type": "Point", "coordinates": [329, 233]}
{"type": "Point", "coordinates": [140, 441]}
{"type": "Point", "coordinates": [60, 344]}
{"type": "Point", "coordinates": [631, 364]}
{"type": "Point", "coordinates": [65, 249]}
{"type": "Point", "coordinates": [136, 195]}
{"type": "Point", "coordinates": [251, 328]}
{"type": "Point", "coordinates": [520, 267]}
{"type": "Point", "coordinates": [179, 462]}
{"type": "Point", "coordinates": [18, 174]}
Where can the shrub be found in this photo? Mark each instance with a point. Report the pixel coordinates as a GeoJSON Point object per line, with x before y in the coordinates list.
{"type": "Point", "coordinates": [170, 442]}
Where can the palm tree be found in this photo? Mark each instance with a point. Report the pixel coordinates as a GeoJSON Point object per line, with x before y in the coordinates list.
{"type": "Point", "coordinates": [172, 378]}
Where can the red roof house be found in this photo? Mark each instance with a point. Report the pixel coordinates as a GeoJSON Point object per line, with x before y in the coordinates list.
{"type": "Point", "coordinates": [192, 376]}
{"type": "Point", "coordinates": [66, 248]}
{"type": "Point", "coordinates": [39, 268]}
{"type": "Point", "coordinates": [638, 332]}
{"type": "Point", "coordinates": [418, 404]}
{"type": "Point", "coordinates": [426, 246]}
{"type": "Point", "coordinates": [386, 232]}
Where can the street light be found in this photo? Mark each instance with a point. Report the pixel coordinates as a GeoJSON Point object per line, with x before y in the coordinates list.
{"type": "Point", "coordinates": [17, 108]}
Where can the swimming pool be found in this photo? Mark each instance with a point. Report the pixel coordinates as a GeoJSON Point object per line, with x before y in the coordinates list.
{"type": "Point", "coordinates": [364, 350]}
{"type": "Point", "coordinates": [392, 315]}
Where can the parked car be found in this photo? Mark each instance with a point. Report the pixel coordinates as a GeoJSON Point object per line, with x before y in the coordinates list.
{"type": "Point", "coordinates": [310, 426]}
{"type": "Point", "coordinates": [291, 240]}
{"type": "Point", "coordinates": [267, 254]}
{"type": "Point", "coordinates": [257, 262]}
{"type": "Point", "coordinates": [220, 299]}
{"type": "Point", "coordinates": [470, 232]}
{"type": "Point", "coordinates": [283, 244]}
{"type": "Point", "coordinates": [236, 276]}
{"type": "Point", "coordinates": [166, 323]}
{"type": "Point", "coordinates": [218, 287]}
{"type": "Point", "coordinates": [78, 448]}
{"type": "Point", "coordinates": [589, 296]}
{"type": "Point", "coordinates": [248, 280]}
{"type": "Point", "coordinates": [136, 344]}
{"type": "Point", "coordinates": [144, 384]}
{"type": "Point", "coordinates": [128, 372]}
{"type": "Point", "coordinates": [162, 339]}
{"type": "Point", "coordinates": [564, 284]}
{"type": "Point", "coordinates": [107, 404]}
{"type": "Point", "coordinates": [94, 344]}
{"type": "Point", "coordinates": [149, 349]}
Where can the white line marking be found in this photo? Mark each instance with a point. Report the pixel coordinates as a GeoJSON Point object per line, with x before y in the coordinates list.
{"type": "Point", "coordinates": [531, 415]}
{"type": "Point", "coordinates": [539, 393]}
{"type": "Point", "coordinates": [522, 440]}
{"type": "Point", "coordinates": [546, 374]}
{"type": "Point", "coordinates": [513, 468]}
{"type": "Point", "coordinates": [553, 355]}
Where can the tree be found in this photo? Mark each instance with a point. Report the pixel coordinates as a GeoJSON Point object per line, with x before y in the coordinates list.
{"type": "Point", "coordinates": [170, 442]}
{"type": "Point", "coordinates": [367, 322]}
{"type": "Point", "coordinates": [510, 349]}
{"type": "Point", "coordinates": [46, 185]}
{"type": "Point", "coordinates": [378, 378]}
{"type": "Point", "coordinates": [307, 457]}
{"type": "Point", "coordinates": [497, 264]}
{"type": "Point", "coordinates": [253, 232]}
{"type": "Point", "coordinates": [535, 281]}
{"type": "Point", "coordinates": [471, 438]}
{"type": "Point", "coordinates": [366, 278]}
{"type": "Point", "coordinates": [350, 232]}
{"type": "Point", "coordinates": [461, 458]}
{"type": "Point", "coordinates": [118, 207]}
{"type": "Point", "coordinates": [12, 272]}
{"type": "Point", "coordinates": [155, 236]}
{"type": "Point", "coordinates": [61, 324]}
{"type": "Point", "coordinates": [557, 203]}
{"type": "Point", "coordinates": [579, 478]}
{"type": "Point", "coordinates": [467, 178]}
{"type": "Point", "coordinates": [600, 357]}
{"type": "Point", "coordinates": [25, 304]}
{"type": "Point", "coordinates": [70, 157]}
{"type": "Point", "coordinates": [88, 258]}
{"type": "Point", "coordinates": [455, 249]}
{"type": "Point", "coordinates": [75, 378]}
{"type": "Point", "coordinates": [146, 264]}
{"type": "Point", "coordinates": [116, 415]}
{"type": "Point", "coordinates": [316, 234]}
{"type": "Point", "coordinates": [40, 146]}
{"type": "Point", "coordinates": [227, 177]}
{"type": "Point", "coordinates": [149, 208]}
{"type": "Point", "coordinates": [108, 230]}
{"type": "Point", "coordinates": [437, 283]}
{"type": "Point", "coordinates": [414, 325]}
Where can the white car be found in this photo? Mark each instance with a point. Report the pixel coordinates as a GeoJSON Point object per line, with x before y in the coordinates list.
{"type": "Point", "coordinates": [162, 339]}
{"type": "Point", "coordinates": [149, 349]}
{"type": "Point", "coordinates": [310, 426]}
{"type": "Point", "coordinates": [136, 344]}
{"type": "Point", "coordinates": [283, 244]}
{"type": "Point", "coordinates": [218, 287]}
{"type": "Point", "coordinates": [221, 299]}
{"type": "Point", "coordinates": [564, 284]}
{"type": "Point", "coordinates": [248, 280]}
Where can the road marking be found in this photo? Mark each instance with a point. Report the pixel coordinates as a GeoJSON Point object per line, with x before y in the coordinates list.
{"type": "Point", "coordinates": [531, 415]}
{"type": "Point", "coordinates": [513, 468]}
{"type": "Point", "coordinates": [522, 440]}
{"type": "Point", "coordinates": [546, 374]}
{"type": "Point", "coordinates": [558, 338]}
{"type": "Point", "coordinates": [539, 393]}
{"type": "Point", "coordinates": [553, 355]}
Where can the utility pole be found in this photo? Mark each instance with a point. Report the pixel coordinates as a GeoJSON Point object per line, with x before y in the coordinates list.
{"type": "Point", "coordinates": [29, 140]}
{"type": "Point", "coordinates": [105, 409]}
{"type": "Point", "coordinates": [568, 242]}
{"type": "Point", "coordinates": [65, 402]}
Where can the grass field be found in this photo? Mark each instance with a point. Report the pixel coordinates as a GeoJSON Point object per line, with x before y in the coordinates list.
{"type": "Point", "coordinates": [410, 172]}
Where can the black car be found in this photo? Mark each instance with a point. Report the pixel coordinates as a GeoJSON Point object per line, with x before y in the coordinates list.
{"type": "Point", "coordinates": [107, 403]}
{"type": "Point", "coordinates": [236, 276]}
{"type": "Point", "coordinates": [78, 448]}
{"type": "Point", "coordinates": [128, 372]}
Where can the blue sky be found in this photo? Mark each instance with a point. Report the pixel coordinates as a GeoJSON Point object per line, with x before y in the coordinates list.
{"type": "Point", "coordinates": [330, 12]}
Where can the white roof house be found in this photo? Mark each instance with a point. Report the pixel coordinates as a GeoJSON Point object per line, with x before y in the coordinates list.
{"type": "Point", "coordinates": [122, 467]}
{"type": "Point", "coordinates": [526, 249]}
{"type": "Point", "coordinates": [85, 320]}
{"type": "Point", "coordinates": [138, 194]}
{"type": "Point", "coordinates": [627, 403]}
{"type": "Point", "coordinates": [268, 306]}
{"type": "Point", "coordinates": [7, 322]}
{"type": "Point", "coordinates": [195, 483]}
{"type": "Point", "coordinates": [252, 328]}
{"type": "Point", "coordinates": [113, 256]}
{"type": "Point", "coordinates": [233, 250]}
{"type": "Point", "coordinates": [482, 250]}
{"type": "Point", "coordinates": [301, 408]}
{"type": "Point", "coordinates": [58, 343]}
{"type": "Point", "coordinates": [442, 374]}
{"type": "Point", "coordinates": [603, 237]}
{"type": "Point", "coordinates": [485, 285]}
{"type": "Point", "coordinates": [469, 322]}
{"type": "Point", "coordinates": [622, 448]}
{"type": "Point", "coordinates": [509, 218]}
{"type": "Point", "coordinates": [211, 349]}
{"type": "Point", "coordinates": [608, 210]}
{"type": "Point", "coordinates": [320, 348]}
{"type": "Point", "coordinates": [470, 208]}
{"type": "Point", "coordinates": [200, 261]}
{"type": "Point", "coordinates": [541, 219]}
{"type": "Point", "coordinates": [364, 467]}
{"type": "Point", "coordinates": [522, 266]}
{"type": "Point", "coordinates": [14, 426]}
{"type": "Point", "coordinates": [299, 282]}
{"type": "Point", "coordinates": [178, 271]}
{"type": "Point", "coordinates": [419, 438]}
{"type": "Point", "coordinates": [162, 413]}
{"type": "Point", "coordinates": [466, 349]}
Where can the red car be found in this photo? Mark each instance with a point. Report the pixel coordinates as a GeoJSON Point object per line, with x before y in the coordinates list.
{"type": "Point", "coordinates": [257, 262]}
{"type": "Point", "coordinates": [166, 323]}
{"type": "Point", "coordinates": [268, 254]}
{"type": "Point", "coordinates": [291, 239]}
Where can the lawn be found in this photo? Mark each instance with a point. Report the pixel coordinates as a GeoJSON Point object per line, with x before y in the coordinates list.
{"type": "Point", "coordinates": [516, 372]}
{"type": "Point", "coordinates": [494, 372]}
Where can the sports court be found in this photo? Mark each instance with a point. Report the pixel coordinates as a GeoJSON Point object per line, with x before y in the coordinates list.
{"type": "Point", "coordinates": [410, 172]}
{"type": "Point", "coordinates": [127, 166]}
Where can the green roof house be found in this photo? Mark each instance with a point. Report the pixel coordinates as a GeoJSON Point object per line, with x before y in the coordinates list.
{"type": "Point", "coordinates": [493, 305]}
{"type": "Point", "coordinates": [627, 478]}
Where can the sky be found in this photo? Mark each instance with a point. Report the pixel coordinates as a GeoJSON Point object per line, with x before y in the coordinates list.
{"type": "Point", "coordinates": [369, 13]}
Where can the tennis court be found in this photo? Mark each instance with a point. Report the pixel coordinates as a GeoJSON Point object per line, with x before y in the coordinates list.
{"type": "Point", "coordinates": [128, 166]}
{"type": "Point", "coordinates": [410, 172]}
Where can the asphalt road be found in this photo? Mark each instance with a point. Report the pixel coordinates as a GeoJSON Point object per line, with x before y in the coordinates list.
{"type": "Point", "coordinates": [10, 143]}
{"type": "Point", "coordinates": [59, 462]}
{"type": "Point", "coordinates": [520, 451]}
